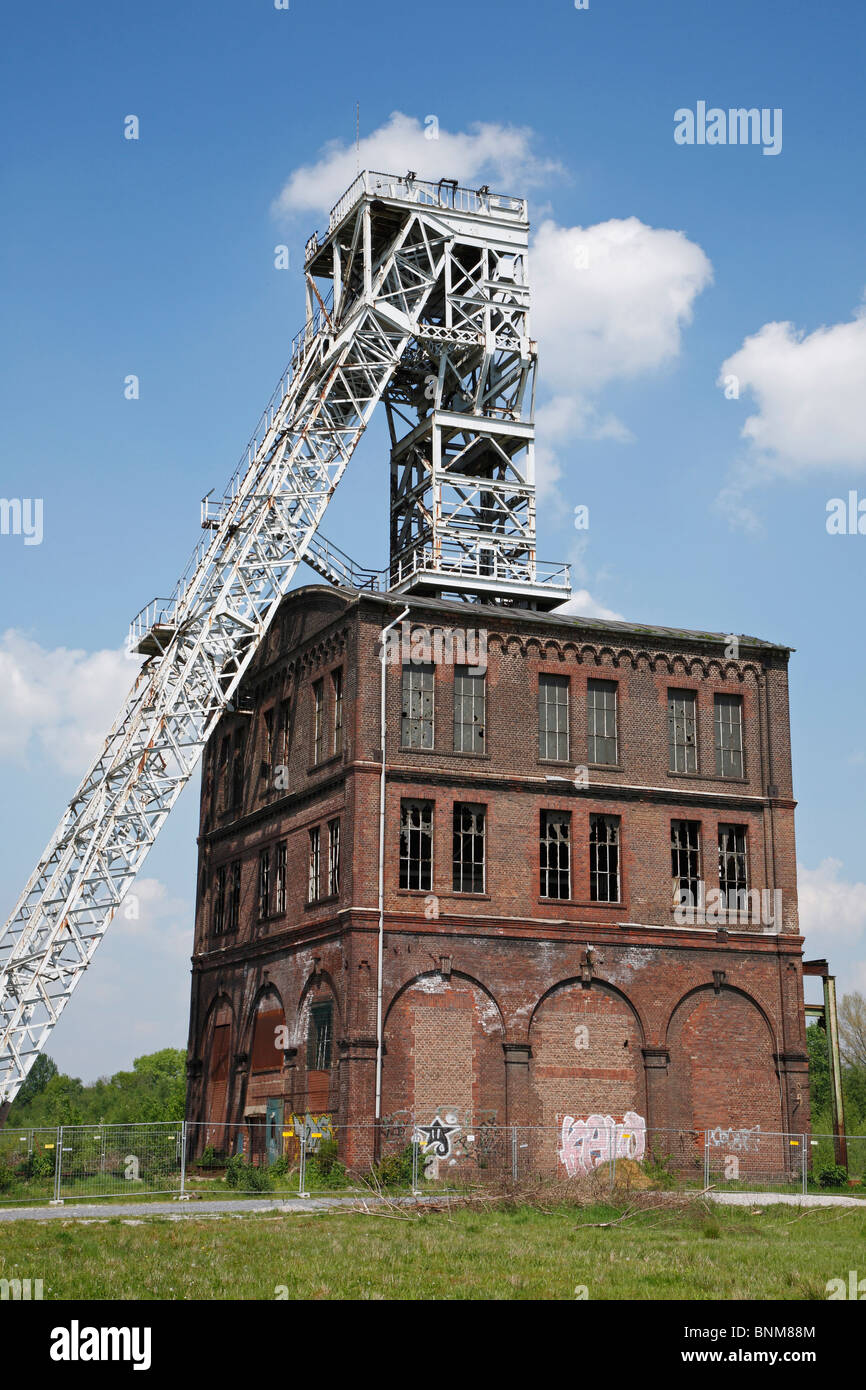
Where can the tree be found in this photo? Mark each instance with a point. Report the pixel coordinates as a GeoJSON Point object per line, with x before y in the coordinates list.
{"type": "Point", "coordinates": [37, 1079]}
{"type": "Point", "coordinates": [852, 1029]}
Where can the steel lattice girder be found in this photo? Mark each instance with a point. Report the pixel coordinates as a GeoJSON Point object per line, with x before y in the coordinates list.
{"type": "Point", "coordinates": [204, 639]}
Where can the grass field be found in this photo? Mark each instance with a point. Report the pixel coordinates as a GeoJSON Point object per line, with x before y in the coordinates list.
{"type": "Point", "coordinates": [690, 1251]}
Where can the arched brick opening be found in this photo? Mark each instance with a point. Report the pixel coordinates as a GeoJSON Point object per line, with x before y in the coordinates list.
{"type": "Point", "coordinates": [722, 1071]}
{"type": "Point", "coordinates": [586, 1054]}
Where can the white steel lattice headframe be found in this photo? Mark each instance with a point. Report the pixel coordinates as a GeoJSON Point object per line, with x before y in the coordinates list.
{"type": "Point", "coordinates": [396, 278]}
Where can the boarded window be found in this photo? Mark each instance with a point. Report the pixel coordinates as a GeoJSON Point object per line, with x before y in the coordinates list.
{"type": "Point", "coordinates": [265, 1055]}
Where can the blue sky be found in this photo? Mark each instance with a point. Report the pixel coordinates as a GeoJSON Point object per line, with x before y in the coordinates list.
{"type": "Point", "coordinates": [155, 257]}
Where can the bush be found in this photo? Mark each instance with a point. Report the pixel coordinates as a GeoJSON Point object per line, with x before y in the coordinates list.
{"type": "Point", "coordinates": [324, 1169]}
{"type": "Point", "coordinates": [831, 1175]}
{"type": "Point", "coordinates": [245, 1177]}
{"type": "Point", "coordinates": [395, 1170]}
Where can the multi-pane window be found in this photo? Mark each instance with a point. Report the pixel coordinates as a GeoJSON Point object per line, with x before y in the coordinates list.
{"type": "Point", "coordinates": [682, 731]}
{"type": "Point", "coordinates": [265, 883]}
{"type": "Point", "coordinates": [268, 743]}
{"type": "Point", "coordinates": [604, 859]}
{"type": "Point", "coordinates": [601, 721]}
{"type": "Point", "coordinates": [468, 848]}
{"type": "Point", "coordinates": [237, 773]}
{"type": "Point", "coordinates": [685, 861]}
{"type": "Point", "coordinates": [470, 711]}
{"type": "Point", "coordinates": [555, 854]}
{"type": "Point", "coordinates": [553, 717]}
{"type": "Point", "coordinates": [729, 735]}
{"type": "Point", "coordinates": [337, 684]}
{"type": "Point", "coordinates": [234, 907]}
{"type": "Point", "coordinates": [333, 857]}
{"type": "Point", "coordinates": [733, 867]}
{"type": "Point", "coordinates": [416, 845]}
{"type": "Point", "coordinates": [285, 732]}
{"type": "Point", "coordinates": [319, 1037]}
{"type": "Point", "coordinates": [219, 902]}
{"type": "Point", "coordinates": [416, 728]}
{"type": "Point", "coordinates": [318, 720]}
{"type": "Point", "coordinates": [280, 878]}
{"type": "Point", "coordinates": [314, 865]}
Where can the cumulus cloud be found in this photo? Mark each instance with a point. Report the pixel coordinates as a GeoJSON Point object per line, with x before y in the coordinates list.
{"type": "Point", "coordinates": [59, 702]}
{"type": "Point", "coordinates": [831, 907]}
{"type": "Point", "coordinates": [583, 605]}
{"type": "Point", "coordinates": [810, 391]}
{"type": "Point", "coordinates": [485, 151]}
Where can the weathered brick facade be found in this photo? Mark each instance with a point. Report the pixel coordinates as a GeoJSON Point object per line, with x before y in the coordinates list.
{"type": "Point", "coordinates": [486, 995]}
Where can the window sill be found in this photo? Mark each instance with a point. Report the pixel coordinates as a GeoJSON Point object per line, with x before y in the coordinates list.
{"type": "Point", "coordinates": [322, 902]}
{"type": "Point", "coordinates": [578, 902]}
{"type": "Point", "coordinates": [412, 748]}
{"type": "Point", "coordinates": [606, 767]}
{"type": "Point", "coordinates": [709, 777]}
{"type": "Point", "coordinates": [326, 762]}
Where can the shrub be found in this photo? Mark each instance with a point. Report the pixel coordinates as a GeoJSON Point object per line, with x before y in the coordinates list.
{"type": "Point", "coordinates": [324, 1169]}
{"type": "Point", "coordinates": [831, 1175]}
{"type": "Point", "coordinates": [245, 1177]}
{"type": "Point", "coordinates": [395, 1170]}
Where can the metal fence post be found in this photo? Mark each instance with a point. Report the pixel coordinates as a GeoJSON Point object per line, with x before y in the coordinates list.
{"type": "Point", "coordinates": [805, 1166]}
{"type": "Point", "coordinates": [415, 1192]}
{"type": "Point", "coordinates": [611, 1139]}
{"type": "Point", "coordinates": [302, 1176]}
{"type": "Point", "coordinates": [58, 1161]}
{"type": "Point", "coordinates": [514, 1152]}
{"type": "Point", "coordinates": [183, 1158]}
{"type": "Point", "coordinates": [706, 1159]}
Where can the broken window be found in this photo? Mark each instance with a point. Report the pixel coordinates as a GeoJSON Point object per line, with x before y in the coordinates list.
{"type": "Point", "coordinates": [682, 731]}
{"type": "Point", "coordinates": [416, 727]}
{"type": "Point", "coordinates": [555, 854]}
{"type": "Point", "coordinates": [416, 845]}
{"type": "Point", "coordinates": [733, 867]}
{"type": "Point", "coordinates": [319, 1037]}
{"type": "Point", "coordinates": [318, 720]}
{"type": "Point", "coordinates": [333, 858]}
{"type": "Point", "coordinates": [470, 711]}
{"type": "Point", "coordinates": [280, 877]}
{"type": "Point", "coordinates": [234, 911]}
{"type": "Point", "coordinates": [604, 859]}
{"type": "Point", "coordinates": [219, 902]}
{"type": "Point", "coordinates": [685, 861]}
{"type": "Point", "coordinates": [729, 735]}
{"type": "Point", "coordinates": [314, 866]}
{"type": "Point", "coordinates": [553, 718]}
{"type": "Point", "coordinates": [337, 684]}
{"type": "Point", "coordinates": [468, 848]}
{"type": "Point", "coordinates": [264, 883]}
{"type": "Point", "coordinates": [601, 721]}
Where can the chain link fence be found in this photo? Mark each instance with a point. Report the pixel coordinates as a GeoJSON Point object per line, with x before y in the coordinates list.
{"type": "Point", "coordinates": [307, 1154]}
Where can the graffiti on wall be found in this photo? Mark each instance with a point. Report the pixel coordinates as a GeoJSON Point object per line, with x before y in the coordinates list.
{"type": "Point", "coordinates": [746, 1141]}
{"type": "Point", "coordinates": [587, 1143]}
{"type": "Point", "coordinates": [311, 1128]}
{"type": "Point", "coordinates": [453, 1134]}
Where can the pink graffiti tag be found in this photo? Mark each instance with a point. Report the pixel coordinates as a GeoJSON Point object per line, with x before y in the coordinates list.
{"type": "Point", "coordinates": [587, 1143]}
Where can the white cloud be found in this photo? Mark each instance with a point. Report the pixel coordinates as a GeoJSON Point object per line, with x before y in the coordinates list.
{"type": "Point", "coordinates": [583, 605]}
{"type": "Point", "coordinates": [830, 907]}
{"type": "Point", "coordinates": [61, 702]}
{"type": "Point", "coordinates": [810, 392]}
{"type": "Point", "coordinates": [610, 302]}
{"type": "Point", "coordinates": [484, 151]}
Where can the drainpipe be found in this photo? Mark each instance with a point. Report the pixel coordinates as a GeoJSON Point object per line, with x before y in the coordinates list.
{"type": "Point", "coordinates": [381, 946]}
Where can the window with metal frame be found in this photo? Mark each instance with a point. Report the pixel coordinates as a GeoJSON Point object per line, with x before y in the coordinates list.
{"type": "Point", "coordinates": [416, 845]}
{"type": "Point", "coordinates": [237, 780]}
{"type": "Point", "coordinates": [604, 884]}
{"type": "Point", "coordinates": [219, 901]}
{"type": "Point", "coordinates": [280, 878]}
{"type": "Point", "coordinates": [234, 912]}
{"type": "Point", "coordinates": [314, 865]}
{"type": "Point", "coordinates": [555, 854]}
{"type": "Point", "coordinates": [320, 1037]}
{"type": "Point", "coordinates": [337, 691]}
{"type": "Point", "coordinates": [318, 721]}
{"type": "Point", "coordinates": [468, 858]}
{"type": "Point", "coordinates": [682, 731]}
{"type": "Point", "coordinates": [416, 725]}
{"type": "Point", "coordinates": [553, 723]}
{"type": "Point", "coordinates": [729, 735]}
{"type": "Point", "coordinates": [685, 862]}
{"type": "Point", "coordinates": [601, 722]}
{"type": "Point", "coordinates": [333, 858]}
{"type": "Point", "coordinates": [470, 711]}
{"type": "Point", "coordinates": [264, 883]}
{"type": "Point", "coordinates": [733, 867]}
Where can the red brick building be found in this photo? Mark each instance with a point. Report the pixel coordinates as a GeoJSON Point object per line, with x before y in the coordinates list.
{"type": "Point", "coordinates": [589, 891]}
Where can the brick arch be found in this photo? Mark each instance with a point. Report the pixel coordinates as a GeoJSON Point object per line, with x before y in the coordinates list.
{"type": "Point", "coordinates": [605, 1077]}
{"type": "Point", "coordinates": [266, 1015]}
{"type": "Point", "coordinates": [443, 1050]}
{"type": "Point", "coordinates": [317, 1087]}
{"type": "Point", "coordinates": [216, 1052]}
{"type": "Point", "coordinates": [705, 1087]}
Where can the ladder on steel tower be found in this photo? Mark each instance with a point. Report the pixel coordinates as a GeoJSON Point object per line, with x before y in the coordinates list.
{"type": "Point", "coordinates": [428, 298]}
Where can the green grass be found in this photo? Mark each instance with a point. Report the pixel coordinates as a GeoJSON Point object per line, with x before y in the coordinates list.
{"type": "Point", "coordinates": [510, 1252]}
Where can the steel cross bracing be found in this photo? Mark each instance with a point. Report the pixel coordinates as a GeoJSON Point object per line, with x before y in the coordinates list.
{"type": "Point", "coordinates": [389, 261]}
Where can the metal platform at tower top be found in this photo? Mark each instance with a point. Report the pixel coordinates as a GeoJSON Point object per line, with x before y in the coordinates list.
{"type": "Point", "coordinates": [418, 295]}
